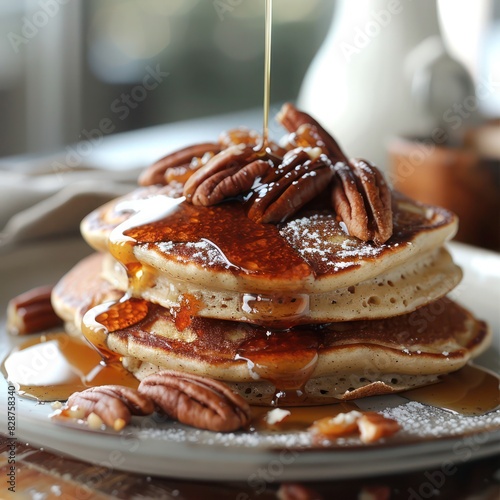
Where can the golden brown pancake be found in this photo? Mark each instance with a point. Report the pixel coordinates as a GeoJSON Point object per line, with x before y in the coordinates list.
{"type": "Point", "coordinates": [220, 248]}
{"type": "Point", "coordinates": [80, 289]}
{"type": "Point", "coordinates": [420, 281]}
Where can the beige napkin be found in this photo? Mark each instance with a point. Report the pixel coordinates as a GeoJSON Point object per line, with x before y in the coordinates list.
{"type": "Point", "coordinates": [39, 202]}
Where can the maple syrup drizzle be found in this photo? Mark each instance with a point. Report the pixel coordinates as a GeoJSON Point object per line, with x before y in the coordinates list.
{"type": "Point", "coordinates": [471, 390]}
{"type": "Point", "coordinates": [267, 76]}
{"type": "Point", "coordinates": [278, 309]}
{"type": "Point", "coordinates": [109, 317]}
{"type": "Point", "coordinates": [53, 366]}
{"type": "Point", "coordinates": [240, 244]}
{"type": "Point", "coordinates": [121, 245]}
{"type": "Point", "coordinates": [286, 359]}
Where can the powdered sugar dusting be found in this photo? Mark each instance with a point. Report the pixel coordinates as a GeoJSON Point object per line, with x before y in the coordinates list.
{"type": "Point", "coordinates": [424, 421]}
{"type": "Point", "coordinates": [417, 421]}
{"type": "Point", "coordinates": [201, 252]}
{"type": "Point", "coordinates": [324, 243]}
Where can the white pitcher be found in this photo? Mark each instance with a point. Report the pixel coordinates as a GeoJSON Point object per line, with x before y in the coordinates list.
{"type": "Point", "coordinates": [356, 85]}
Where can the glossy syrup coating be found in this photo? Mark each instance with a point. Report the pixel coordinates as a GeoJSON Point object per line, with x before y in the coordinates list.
{"type": "Point", "coordinates": [246, 246]}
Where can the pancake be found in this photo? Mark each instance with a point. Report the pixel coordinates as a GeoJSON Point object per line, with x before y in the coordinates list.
{"type": "Point", "coordinates": [410, 344]}
{"type": "Point", "coordinates": [418, 282]}
{"type": "Point", "coordinates": [80, 289]}
{"type": "Point", "coordinates": [220, 248]}
{"type": "Point", "coordinates": [343, 360]}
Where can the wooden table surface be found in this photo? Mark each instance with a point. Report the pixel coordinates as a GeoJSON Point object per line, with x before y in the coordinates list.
{"type": "Point", "coordinates": [43, 475]}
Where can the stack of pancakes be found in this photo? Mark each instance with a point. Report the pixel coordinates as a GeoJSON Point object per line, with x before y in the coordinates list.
{"type": "Point", "coordinates": [299, 311]}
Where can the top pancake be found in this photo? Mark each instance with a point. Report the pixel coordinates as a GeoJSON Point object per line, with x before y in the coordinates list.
{"type": "Point", "coordinates": [220, 248]}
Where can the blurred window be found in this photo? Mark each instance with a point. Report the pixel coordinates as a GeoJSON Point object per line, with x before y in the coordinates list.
{"type": "Point", "coordinates": [212, 51]}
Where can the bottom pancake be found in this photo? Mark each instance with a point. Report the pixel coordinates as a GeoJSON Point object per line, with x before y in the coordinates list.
{"type": "Point", "coordinates": [342, 360]}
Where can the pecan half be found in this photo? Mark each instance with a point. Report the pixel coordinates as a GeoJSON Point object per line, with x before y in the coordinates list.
{"type": "Point", "coordinates": [374, 426]}
{"type": "Point", "coordinates": [199, 186]}
{"type": "Point", "coordinates": [362, 199]}
{"type": "Point", "coordinates": [305, 136]}
{"type": "Point", "coordinates": [342, 424]}
{"type": "Point", "coordinates": [292, 119]}
{"type": "Point", "coordinates": [371, 426]}
{"type": "Point", "coordinates": [182, 173]}
{"type": "Point", "coordinates": [302, 175]}
{"type": "Point", "coordinates": [32, 312]}
{"type": "Point", "coordinates": [114, 404]}
{"type": "Point", "coordinates": [229, 183]}
{"type": "Point", "coordinates": [198, 401]}
{"type": "Point", "coordinates": [155, 174]}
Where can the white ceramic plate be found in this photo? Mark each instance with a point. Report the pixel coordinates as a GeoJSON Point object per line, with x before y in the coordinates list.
{"type": "Point", "coordinates": [430, 437]}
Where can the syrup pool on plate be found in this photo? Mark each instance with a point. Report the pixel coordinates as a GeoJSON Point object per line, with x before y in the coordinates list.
{"type": "Point", "coordinates": [51, 367]}
{"type": "Point", "coordinates": [471, 390]}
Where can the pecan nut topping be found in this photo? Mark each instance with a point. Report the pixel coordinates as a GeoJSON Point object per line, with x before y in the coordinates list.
{"type": "Point", "coordinates": [240, 135]}
{"type": "Point", "coordinates": [362, 199]}
{"type": "Point", "coordinates": [248, 137]}
{"type": "Point", "coordinates": [181, 159]}
{"type": "Point", "coordinates": [292, 119]}
{"type": "Point", "coordinates": [32, 312]}
{"type": "Point", "coordinates": [197, 401]}
{"type": "Point", "coordinates": [229, 183]}
{"type": "Point", "coordinates": [360, 194]}
{"type": "Point", "coordinates": [305, 136]}
{"type": "Point", "coordinates": [114, 404]}
{"type": "Point", "coordinates": [301, 176]}
{"type": "Point", "coordinates": [332, 427]}
{"type": "Point", "coordinates": [275, 181]}
{"type": "Point", "coordinates": [199, 187]}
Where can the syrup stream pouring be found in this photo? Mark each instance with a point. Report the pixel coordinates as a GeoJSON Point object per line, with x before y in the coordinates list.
{"type": "Point", "coordinates": [267, 78]}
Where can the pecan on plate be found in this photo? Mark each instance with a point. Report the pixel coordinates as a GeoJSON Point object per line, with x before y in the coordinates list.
{"type": "Point", "coordinates": [197, 401]}
{"type": "Point", "coordinates": [371, 426]}
{"type": "Point", "coordinates": [292, 119]}
{"type": "Point", "coordinates": [374, 426]}
{"type": "Point", "coordinates": [224, 176]}
{"type": "Point", "coordinates": [185, 161]}
{"type": "Point", "coordinates": [341, 425]}
{"type": "Point", "coordinates": [302, 175]}
{"type": "Point", "coordinates": [114, 404]}
{"type": "Point", "coordinates": [362, 199]}
{"type": "Point", "coordinates": [32, 312]}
